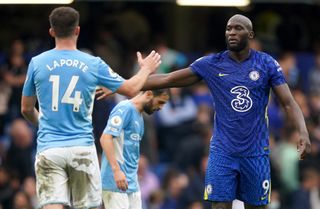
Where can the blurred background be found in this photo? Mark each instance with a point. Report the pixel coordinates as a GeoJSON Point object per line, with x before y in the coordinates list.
{"type": "Point", "coordinates": [176, 142]}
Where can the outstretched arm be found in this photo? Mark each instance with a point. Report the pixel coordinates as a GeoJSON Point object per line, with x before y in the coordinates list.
{"type": "Point", "coordinates": [295, 114]}
{"type": "Point", "coordinates": [179, 78]}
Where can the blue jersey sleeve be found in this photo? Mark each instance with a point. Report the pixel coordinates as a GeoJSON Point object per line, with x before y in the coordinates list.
{"type": "Point", "coordinates": [107, 77]}
{"type": "Point", "coordinates": [29, 85]}
{"type": "Point", "coordinates": [276, 76]}
{"type": "Point", "coordinates": [199, 66]}
{"type": "Point", "coordinates": [118, 119]}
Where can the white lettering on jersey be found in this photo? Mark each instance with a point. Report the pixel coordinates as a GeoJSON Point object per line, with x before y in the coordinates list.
{"type": "Point", "coordinates": [69, 63]}
{"type": "Point", "coordinates": [279, 69]}
{"type": "Point", "coordinates": [135, 137]}
{"type": "Point", "coordinates": [112, 73]}
{"type": "Point", "coordinates": [243, 102]}
{"type": "Point", "coordinates": [76, 101]}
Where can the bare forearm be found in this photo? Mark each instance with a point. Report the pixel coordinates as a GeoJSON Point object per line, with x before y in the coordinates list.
{"type": "Point", "coordinates": [132, 86]}
{"type": "Point", "coordinates": [179, 78]}
{"type": "Point", "coordinates": [157, 81]}
{"type": "Point", "coordinates": [28, 109]}
{"type": "Point", "coordinates": [292, 109]}
{"type": "Point", "coordinates": [294, 114]}
{"type": "Point", "coordinates": [137, 81]}
{"type": "Point", "coordinates": [108, 148]}
{"type": "Point", "coordinates": [31, 116]}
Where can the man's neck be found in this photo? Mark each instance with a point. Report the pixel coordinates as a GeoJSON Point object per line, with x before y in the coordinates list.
{"type": "Point", "coordinates": [241, 55]}
{"type": "Point", "coordinates": [66, 44]}
{"type": "Point", "coordinates": [138, 102]}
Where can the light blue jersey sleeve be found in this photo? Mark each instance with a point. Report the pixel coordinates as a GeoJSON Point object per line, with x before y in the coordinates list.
{"type": "Point", "coordinates": [118, 119]}
{"type": "Point", "coordinates": [107, 77]}
{"type": "Point", "coordinates": [29, 87]}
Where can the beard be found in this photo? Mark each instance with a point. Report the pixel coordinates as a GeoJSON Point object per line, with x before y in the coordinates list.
{"type": "Point", "coordinates": [148, 109]}
{"type": "Point", "coordinates": [242, 44]}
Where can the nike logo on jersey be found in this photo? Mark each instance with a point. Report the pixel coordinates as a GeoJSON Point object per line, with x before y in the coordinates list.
{"type": "Point", "coordinates": [222, 74]}
{"type": "Point", "coordinates": [264, 197]}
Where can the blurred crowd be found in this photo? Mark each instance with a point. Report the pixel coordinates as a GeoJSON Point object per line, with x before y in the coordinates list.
{"type": "Point", "coordinates": [176, 142]}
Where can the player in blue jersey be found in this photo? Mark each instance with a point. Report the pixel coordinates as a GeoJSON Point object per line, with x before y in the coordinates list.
{"type": "Point", "coordinates": [120, 142]}
{"type": "Point", "coordinates": [240, 80]}
{"type": "Point", "coordinates": [63, 81]}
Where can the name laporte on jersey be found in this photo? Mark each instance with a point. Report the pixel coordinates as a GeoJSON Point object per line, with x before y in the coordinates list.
{"type": "Point", "coordinates": [69, 63]}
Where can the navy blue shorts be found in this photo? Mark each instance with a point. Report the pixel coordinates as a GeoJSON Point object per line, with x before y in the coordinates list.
{"type": "Point", "coordinates": [243, 178]}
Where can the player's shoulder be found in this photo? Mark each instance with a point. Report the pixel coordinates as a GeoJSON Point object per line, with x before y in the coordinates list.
{"type": "Point", "coordinates": [123, 110]}
{"type": "Point", "coordinates": [267, 61]}
{"type": "Point", "coordinates": [262, 56]}
{"type": "Point", "coordinates": [77, 52]}
{"type": "Point", "coordinates": [212, 58]}
{"type": "Point", "coordinates": [124, 105]}
{"type": "Point", "coordinates": [87, 54]}
{"type": "Point", "coordinates": [40, 58]}
{"type": "Point", "coordinates": [42, 55]}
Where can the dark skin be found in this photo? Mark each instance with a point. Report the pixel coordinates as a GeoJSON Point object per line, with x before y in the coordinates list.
{"type": "Point", "coordinates": [238, 33]}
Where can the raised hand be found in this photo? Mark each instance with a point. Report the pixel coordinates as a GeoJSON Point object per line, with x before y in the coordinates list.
{"type": "Point", "coordinates": [151, 62]}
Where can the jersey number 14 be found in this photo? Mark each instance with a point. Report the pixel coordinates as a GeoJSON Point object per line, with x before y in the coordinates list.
{"type": "Point", "coordinates": [75, 101]}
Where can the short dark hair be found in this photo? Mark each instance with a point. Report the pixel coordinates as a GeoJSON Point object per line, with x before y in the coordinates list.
{"type": "Point", "coordinates": [64, 20]}
{"type": "Point", "coordinates": [157, 92]}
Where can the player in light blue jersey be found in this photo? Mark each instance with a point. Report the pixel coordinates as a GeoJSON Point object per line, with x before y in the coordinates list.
{"type": "Point", "coordinates": [63, 80]}
{"type": "Point", "coordinates": [240, 80]}
{"type": "Point", "coordinates": [121, 146]}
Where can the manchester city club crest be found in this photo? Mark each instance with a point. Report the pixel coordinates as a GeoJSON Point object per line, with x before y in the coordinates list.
{"type": "Point", "coordinates": [254, 75]}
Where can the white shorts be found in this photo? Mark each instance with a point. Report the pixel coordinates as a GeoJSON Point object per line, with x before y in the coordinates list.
{"type": "Point", "coordinates": [117, 200]}
{"type": "Point", "coordinates": [69, 176]}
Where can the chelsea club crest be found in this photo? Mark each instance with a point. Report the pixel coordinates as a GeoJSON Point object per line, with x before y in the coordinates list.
{"type": "Point", "coordinates": [254, 75]}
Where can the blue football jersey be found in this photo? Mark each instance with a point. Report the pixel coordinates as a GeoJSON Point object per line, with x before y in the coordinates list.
{"type": "Point", "coordinates": [240, 92]}
{"type": "Point", "coordinates": [126, 126]}
{"type": "Point", "coordinates": [64, 82]}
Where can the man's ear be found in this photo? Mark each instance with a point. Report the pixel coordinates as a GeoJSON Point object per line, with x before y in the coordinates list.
{"type": "Point", "coordinates": [251, 35]}
{"type": "Point", "coordinates": [77, 32]}
{"type": "Point", "coordinates": [52, 33]}
{"type": "Point", "coordinates": [149, 94]}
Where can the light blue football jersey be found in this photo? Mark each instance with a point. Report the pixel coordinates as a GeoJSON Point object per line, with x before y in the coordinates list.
{"type": "Point", "coordinates": [126, 126]}
{"type": "Point", "coordinates": [64, 82]}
